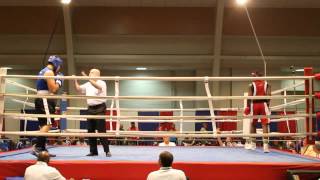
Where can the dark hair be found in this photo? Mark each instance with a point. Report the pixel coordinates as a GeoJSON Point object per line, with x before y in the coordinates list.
{"type": "Point", "coordinates": [166, 159]}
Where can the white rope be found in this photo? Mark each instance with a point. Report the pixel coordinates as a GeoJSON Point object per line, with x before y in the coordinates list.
{"type": "Point", "coordinates": [113, 78]}
{"type": "Point", "coordinates": [300, 101]}
{"type": "Point", "coordinates": [164, 120]}
{"type": "Point", "coordinates": [151, 134]}
{"type": "Point", "coordinates": [24, 112]}
{"type": "Point", "coordinates": [21, 85]}
{"type": "Point", "coordinates": [286, 88]}
{"type": "Point", "coordinates": [159, 109]}
{"type": "Point", "coordinates": [157, 98]}
{"type": "Point", "coordinates": [206, 85]}
{"type": "Point", "coordinates": [22, 102]}
{"type": "Point", "coordinates": [186, 118]}
{"type": "Point", "coordinates": [292, 103]}
{"type": "Point", "coordinates": [285, 111]}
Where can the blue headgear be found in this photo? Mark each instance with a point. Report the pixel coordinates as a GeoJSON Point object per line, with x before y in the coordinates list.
{"type": "Point", "coordinates": [56, 61]}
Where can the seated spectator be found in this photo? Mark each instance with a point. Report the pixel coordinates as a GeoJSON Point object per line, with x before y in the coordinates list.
{"type": "Point", "coordinates": [166, 142]}
{"type": "Point", "coordinates": [81, 142]}
{"type": "Point", "coordinates": [133, 140]}
{"type": "Point", "coordinates": [204, 127]}
{"type": "Point", "coordinates": [166, 172]}
{"type": "Point", "coordinates": [173, 138]}
{"type": "Point", "coordinates": [133, 127]}
{"type": "Point", "coordinates": [230, 142]}
{"type": "Point", "coordinates": [41, 170]}
{"type": "Point", "coordinates": [188, 141]}
{"type": "Point", "coordinates": [121, 127]}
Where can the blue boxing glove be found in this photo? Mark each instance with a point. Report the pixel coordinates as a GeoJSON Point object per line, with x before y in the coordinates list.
{"type": "Point", "coordinates": [59, 81]}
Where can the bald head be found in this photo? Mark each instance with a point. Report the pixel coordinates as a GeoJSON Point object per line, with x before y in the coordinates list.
{"type": "Point", "coordinates": [94, 73]}
{"type": "Point", "coordinates": [44, 156]}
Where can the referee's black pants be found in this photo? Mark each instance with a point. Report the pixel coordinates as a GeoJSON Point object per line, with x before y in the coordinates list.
{"type": "Point", "coordinates": [99, 125]}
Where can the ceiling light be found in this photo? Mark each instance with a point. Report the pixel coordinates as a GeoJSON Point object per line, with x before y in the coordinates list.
{"type": "Point", "coordinates": [65, 1]}
{"type": "Point", "coordinates": [299, 70]}
{"type": "Point", "coordinates": [141, 68]}
{"type": "Point", "coordinates": [241, 2]}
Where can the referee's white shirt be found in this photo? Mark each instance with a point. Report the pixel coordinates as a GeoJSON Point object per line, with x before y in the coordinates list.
{"type": "Point", "coordinates": [167, 173]}
{"type": "Point", "coordinates": [89, 90]}
{"type": "Point", "coordinates": [41, 171]}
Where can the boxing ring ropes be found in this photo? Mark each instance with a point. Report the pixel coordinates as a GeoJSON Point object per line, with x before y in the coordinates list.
{"type": "Point", "coordinates": [181, 118]}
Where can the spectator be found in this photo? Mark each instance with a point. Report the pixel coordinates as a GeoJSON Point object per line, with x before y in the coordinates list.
{"type": "Point", "coordinates": [173, 138]}
{"type": "Point", "coordinates": [133, 127]}
{"type": "Point", "coordinates": [166, 142]}
{"type": "Point", "coordinates": [121, 127]}
{"type": "Point", "coordinates": [204, 127]}
{"type": "Point", "coordinates": [41, 170]}
{"type": "Point", "coordinates": [81, 142]}
{"type": "Point", "coordinates": [166, 172]}
{"type": "Point", "coordinates": [133, 140]}
{"type": "Point", "coordinates": [188, 141]}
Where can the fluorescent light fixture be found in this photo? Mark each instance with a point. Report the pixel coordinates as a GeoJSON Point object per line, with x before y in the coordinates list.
{"type": "Point", "coordinates": [141, 68]}
{"type": "Point", "coordinates": [6, 67]}
{"type": "Point", "coordinates": [299, 70]}
{"type": "Point", "coordinates": [65, 1]}
{"type": "Point", "coordinates": [241, 2]}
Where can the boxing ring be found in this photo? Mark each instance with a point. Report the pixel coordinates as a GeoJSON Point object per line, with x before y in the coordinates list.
{"type": "Point", "coordinates": [137, 161]}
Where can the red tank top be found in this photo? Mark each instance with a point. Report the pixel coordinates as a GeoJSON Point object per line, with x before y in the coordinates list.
{"type": "Point", "coordinates": [259, 88]}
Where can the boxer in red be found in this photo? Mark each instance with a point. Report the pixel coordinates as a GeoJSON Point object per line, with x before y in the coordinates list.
{"type": "Point", "coordinates": [259, 107]}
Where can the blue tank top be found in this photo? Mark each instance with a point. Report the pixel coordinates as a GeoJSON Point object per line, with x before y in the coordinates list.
{"type": "Point", "coordinates": [42, 83]}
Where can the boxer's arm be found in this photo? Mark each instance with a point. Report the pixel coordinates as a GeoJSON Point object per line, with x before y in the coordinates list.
{"type": "Point", "coordinates": [52, 85]}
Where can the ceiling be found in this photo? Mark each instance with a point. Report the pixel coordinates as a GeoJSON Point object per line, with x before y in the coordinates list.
{"type": "Point", "coordinates": [166, 60]}
{"type": "Point", "coordinates": [167, 3]}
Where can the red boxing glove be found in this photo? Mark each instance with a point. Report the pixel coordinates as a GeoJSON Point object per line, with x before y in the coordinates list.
{"type": "Point", "coordinates": [317, 76]}
{"type": "Point", "coordinates": [317, 95]}
{"type": "Point", "coordinates": [247, 111]}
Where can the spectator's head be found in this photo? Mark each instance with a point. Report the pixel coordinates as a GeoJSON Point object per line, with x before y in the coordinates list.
{"type": "Point", "coordinates": [166, 139]}
{"type": "Point", "coordinates": [165, 159]}
{"type": "Point", "coordinates": [44, 156]}
{"type": "Point", "coordinates": [173, 127]}
{"type": "Point", "coordinates": [205, 125]}
{"type": "Point", "coordinates": [133, 124]}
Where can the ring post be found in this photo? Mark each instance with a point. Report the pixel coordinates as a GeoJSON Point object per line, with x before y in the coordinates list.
{"type": "Point", "coordinates": [117, 86]}
{"type": "Point", "coordinates": [308, 90]}
{"type": "Point", "coordinates": [285, 110]}
{"type": "Point", "coordinates": [63, 111]}
{"type": "Point", "coordinates": [246, 122]}
{"type": "Point", "coordinates": [213, 120]}
{"type": "Point", "coordinates": [181, 114]}
{"type": "Point", "coordinates": [111, 115]}
{"type": "Point", "coordinates": [3, 72]}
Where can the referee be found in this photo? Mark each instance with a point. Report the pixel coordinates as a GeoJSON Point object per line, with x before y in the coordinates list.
{"type": "Point", "coordinates": [95, 107]}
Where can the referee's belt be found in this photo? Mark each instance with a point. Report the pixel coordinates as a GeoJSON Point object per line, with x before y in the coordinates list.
{"type": "Point", "coordinates": [97, 106]}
